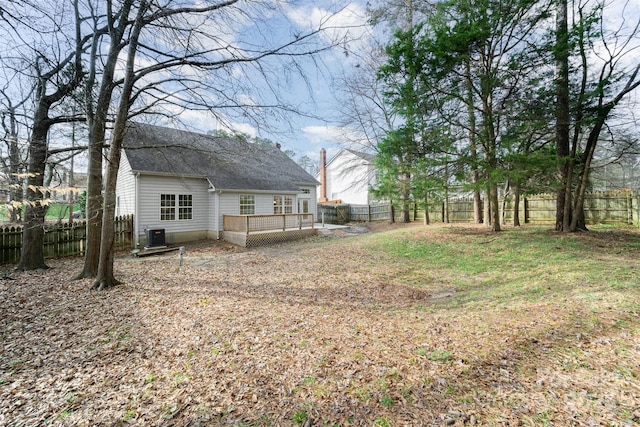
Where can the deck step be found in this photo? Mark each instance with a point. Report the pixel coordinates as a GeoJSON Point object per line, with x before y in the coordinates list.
{"type": "Point", "coordinates": [153, 251]}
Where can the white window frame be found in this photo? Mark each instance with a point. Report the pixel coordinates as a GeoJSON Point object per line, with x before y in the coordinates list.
{"type": "Point", "coordinates": [247, 204]}
{"type": "Point", "coordinates": [167, 207]}
{"type": "Point", "coordinates": [176, 207]}
{"type": "Point", "coordinates": [185, 207]}
{"type": "Point", "coordinates": [282, 204]}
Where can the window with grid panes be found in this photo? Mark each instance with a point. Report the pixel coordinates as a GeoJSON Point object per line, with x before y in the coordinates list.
{"type": "Point", "coordinates": [247, 204]}
{"type": "Point", "coordinates": [167, 207]}
{"type": "Point", "coordinates": [185, 206]}
{"type": "Point", "coordinates": [277, 205]}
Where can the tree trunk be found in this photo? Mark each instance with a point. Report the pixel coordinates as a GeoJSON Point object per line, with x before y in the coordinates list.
{"type": "Point", "coordinates": [105, 277]}
{"type": "Point", "coordinates": [473, 150]}
{"type": "Point", "coordinates": [563, 200]}
{"type": "Point", "coordinates": [503, 213]}
{"type": "Point", "coordinates": [577, 217]}
{"type": "Point", "coordinates": [93, 211]}
{"type": "Point", "coordinates": [516, 205]}
{"type": "Point", "coordinates": [32, 252]}
{"type": "Point", "coordinates": [445, 209]}
{"type": "Point", "coordinates": [405, 215]}
{"type": "Point", "coordinates": [15, 167]}
{"type": "Point", "coordinates": [495, 211]}
{"type": "Point", "coordinates": [426, 210]}
{"type": "Point", "coordinates": [97, 118]}
{"type": "Point", "coordinates": [486, 209]}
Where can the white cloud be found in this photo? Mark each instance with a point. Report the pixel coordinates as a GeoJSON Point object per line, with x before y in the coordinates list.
{"type": "Point", "coordinates": [331, 135]}
{"type": "Point", "coordinates": [348, 23]}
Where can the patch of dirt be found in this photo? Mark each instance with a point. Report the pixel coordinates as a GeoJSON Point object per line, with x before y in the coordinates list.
{"type": "Point", "coordinates": [317, 332]}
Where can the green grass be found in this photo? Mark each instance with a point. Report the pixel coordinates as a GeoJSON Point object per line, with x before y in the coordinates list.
{"type": "Point", "coordinates": [300, 417]}
{"type": "Point", "coordinates": [56, 211]}
{"type": "Point", "coordinates": [526, 264]}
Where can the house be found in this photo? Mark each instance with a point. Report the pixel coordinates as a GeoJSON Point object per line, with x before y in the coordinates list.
{"type": "Point", "coordinates": [347, 177]}
{"type": "Point", "coordinates": [195, 186]}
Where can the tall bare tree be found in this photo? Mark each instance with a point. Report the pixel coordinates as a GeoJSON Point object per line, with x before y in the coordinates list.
{"type": "Point", "coordinates": [55, 71]}
{"type": "Point", "coordinates": [172, 63]}
{"type": "Point", "coordinates": [113, 22]}
{"type": "Point", "coordinates": [607, 71]}
{"type": "Point", "coordinates": [14, 156]}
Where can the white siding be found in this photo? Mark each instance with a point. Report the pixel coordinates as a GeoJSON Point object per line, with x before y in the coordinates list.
{"type": "Point", "coordinates": [125, 188]}
{"type": "Point", "coordinates": [264, 204]}
{"type": "Point", "coordinates": [151, 187]}
{"type": "Point", "coordinates": [348, 178]}
{"type": "Point", "coordinates": [229, 205]}
{"type": "Point", "coordinates": [229, 202]}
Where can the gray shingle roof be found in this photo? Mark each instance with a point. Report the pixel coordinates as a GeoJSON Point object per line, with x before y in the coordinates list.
{"type": "Point", "coordinates": [229, 164]}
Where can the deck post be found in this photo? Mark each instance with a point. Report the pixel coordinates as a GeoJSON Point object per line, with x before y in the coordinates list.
{"type": "Point", "coordinates": [284, 222]}
{"type": "Point", "coordinates": [247, 225]}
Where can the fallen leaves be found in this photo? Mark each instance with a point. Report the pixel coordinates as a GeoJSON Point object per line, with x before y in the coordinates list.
{"type": "Point", "coordinates": [303, 333]}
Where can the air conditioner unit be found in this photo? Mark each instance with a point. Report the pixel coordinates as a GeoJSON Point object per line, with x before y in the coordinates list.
{"type": "Point", "coordinates": [155, 238]}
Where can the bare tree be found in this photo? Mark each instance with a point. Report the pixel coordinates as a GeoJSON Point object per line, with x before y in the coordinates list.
{"type": "Point", "coordinates": [14, 156]}
{"type": "Point", "coordinates": [55, 71]}
{"type": "Point", "coordinates": [172, 63]}
{"type": "Point", "coordinates": [98, 90]}
{"type": "Point", "coordinates": [608, 71]}
{"type": "Point", "coordinates": [362, 107]}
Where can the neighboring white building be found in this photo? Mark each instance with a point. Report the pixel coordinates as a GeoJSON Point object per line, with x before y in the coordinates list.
{"type": "Point", "coordinates": [347, 177]}
{"type": "Point", "coordinates": [184, 182]}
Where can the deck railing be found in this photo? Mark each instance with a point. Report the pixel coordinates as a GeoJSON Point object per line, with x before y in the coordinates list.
{"type": "Point", "coordinates": [261, 223]}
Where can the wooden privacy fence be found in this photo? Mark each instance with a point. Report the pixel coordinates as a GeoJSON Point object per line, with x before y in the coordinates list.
{"type": "Point", "coordinates": [612, 207]}
{"type": "Point", "coordinates": [332, 213]}
{"type": "Point", "coordinates": [62, 239]}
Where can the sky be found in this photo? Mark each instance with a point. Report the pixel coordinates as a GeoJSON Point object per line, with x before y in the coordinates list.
{"type": "Point", "coordinates": [309, 92]}
{"type": "Point", "coordinates": [307, 135]}
{"type": "Point", "coordinates": [313, 94]}
{"type": "Point", "coordinates": [321, 127]}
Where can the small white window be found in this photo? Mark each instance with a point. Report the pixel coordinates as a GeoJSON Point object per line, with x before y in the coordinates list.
{"type": "Point", "coordinates": [247, 204]}
{"type": "Point", "coordinates": [167, 207]}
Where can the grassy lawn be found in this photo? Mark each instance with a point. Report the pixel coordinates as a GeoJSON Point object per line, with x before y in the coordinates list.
{"type": "Point", "coordinates": [404, 325]}
{"type": "Point", "coordinates": [55, 212]}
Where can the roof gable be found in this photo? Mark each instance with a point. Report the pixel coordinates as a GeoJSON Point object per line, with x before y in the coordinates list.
{"type": "Point", "coordinates": [368, 158]}
{"type": "Point", "coordinates": [229, 164]}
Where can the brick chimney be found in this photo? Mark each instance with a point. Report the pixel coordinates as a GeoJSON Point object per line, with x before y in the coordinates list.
{"type": "Point", "coordinates": [323, 176]}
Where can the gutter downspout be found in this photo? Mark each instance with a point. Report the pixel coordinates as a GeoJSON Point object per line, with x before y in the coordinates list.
{"type": "Point", "coordinates": [323, 175]}
{"type": "Point", "coordinates": [136, 219]}
{"type": "Point", "coordinates": [217, 213]}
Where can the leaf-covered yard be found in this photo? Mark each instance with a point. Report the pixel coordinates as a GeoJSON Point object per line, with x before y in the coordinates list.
{"type": "Point", "coordinates": [404, 326]}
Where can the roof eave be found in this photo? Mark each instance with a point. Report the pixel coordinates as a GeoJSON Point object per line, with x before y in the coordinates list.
{"type": "Point", "coordinates": [172, 175]}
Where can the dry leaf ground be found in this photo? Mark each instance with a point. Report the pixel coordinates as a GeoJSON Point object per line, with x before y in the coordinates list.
{"type": "Point", "coordinates": [326, 331]}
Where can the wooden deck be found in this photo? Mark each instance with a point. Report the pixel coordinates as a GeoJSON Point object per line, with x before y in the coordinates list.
{"type": "Point", "coordinates": [257, 230]}
{"type": "Point", "coordinates": [267, 237]}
